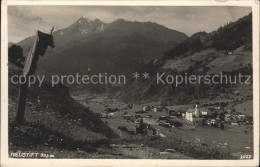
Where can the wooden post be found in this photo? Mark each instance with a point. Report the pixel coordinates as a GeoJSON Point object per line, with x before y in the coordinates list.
{"type": "Point", "coordinates": [29, 69]}
{"type": "Point", "coordinates": [23, 87]}
{"type": "Point", "coordinates": [22, 101]}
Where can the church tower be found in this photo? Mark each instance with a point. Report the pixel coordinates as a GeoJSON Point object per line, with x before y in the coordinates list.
{"type": "Point", "coordinates": [196, 112]}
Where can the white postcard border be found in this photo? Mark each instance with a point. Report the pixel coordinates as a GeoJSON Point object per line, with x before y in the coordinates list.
{"type": "Point", "coordinates": [6, 161]}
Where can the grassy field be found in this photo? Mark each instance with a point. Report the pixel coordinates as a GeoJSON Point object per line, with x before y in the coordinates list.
{"type": "Point", "coordinates": [53, 119]}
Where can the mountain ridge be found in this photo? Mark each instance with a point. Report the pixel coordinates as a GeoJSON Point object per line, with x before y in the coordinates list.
{"type": "Point", "coordinates": [120, 46]}
{"type": "Point", "coordinates": [227, 50]}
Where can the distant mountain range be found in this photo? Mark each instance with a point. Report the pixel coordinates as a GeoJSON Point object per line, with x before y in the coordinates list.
{"type": "Point", "coordinates": [227, 50]}
{"type": "Point", "coordinates": [123, 47]}
{"type": "Point", "coordinates": [118, 47]}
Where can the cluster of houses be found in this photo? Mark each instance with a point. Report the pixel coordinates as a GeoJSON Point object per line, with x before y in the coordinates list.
{"type": "Point", "coordinates": [153, 108]}
{"type": "Point", "coordinates": [204, 115]}
{"type": "Point", "coordinates": [214, 116]}
{"type": "Point", "coordinates": [197, 115]}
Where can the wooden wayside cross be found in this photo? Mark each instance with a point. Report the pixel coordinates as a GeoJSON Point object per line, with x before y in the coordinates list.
{"type": "Point", "coordinates": [40, 44]}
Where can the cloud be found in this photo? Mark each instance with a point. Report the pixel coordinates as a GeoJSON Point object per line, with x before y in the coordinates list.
{"type": "Point", "coordinates": [23, 21]}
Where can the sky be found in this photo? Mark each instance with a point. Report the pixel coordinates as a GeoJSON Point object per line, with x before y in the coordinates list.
{"type": "Point", "coordinates": [23, 21]}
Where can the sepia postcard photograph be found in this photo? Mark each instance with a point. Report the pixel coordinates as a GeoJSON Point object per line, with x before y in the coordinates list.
{"type": "Point", "coordinates": [130, 83]}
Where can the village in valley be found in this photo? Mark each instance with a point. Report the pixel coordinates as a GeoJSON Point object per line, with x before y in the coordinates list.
{"type": "Point", "coordinates": [218, 124]}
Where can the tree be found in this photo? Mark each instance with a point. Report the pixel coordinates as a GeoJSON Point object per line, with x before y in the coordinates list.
{"type": "Point", "coordinates": [196, 45]}
{"type": "Point", "coordinates": [222, 126]}
{"type": "Point", "coordinates": [141, 127]}
{"type": "Point", "coordinates": [15, 52]}
{"type": "Point", "coordinates": [221, 116]}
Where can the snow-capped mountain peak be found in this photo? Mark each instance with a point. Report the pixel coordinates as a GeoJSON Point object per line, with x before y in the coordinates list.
{"type": "Point", "coordinates": [85, 25]}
